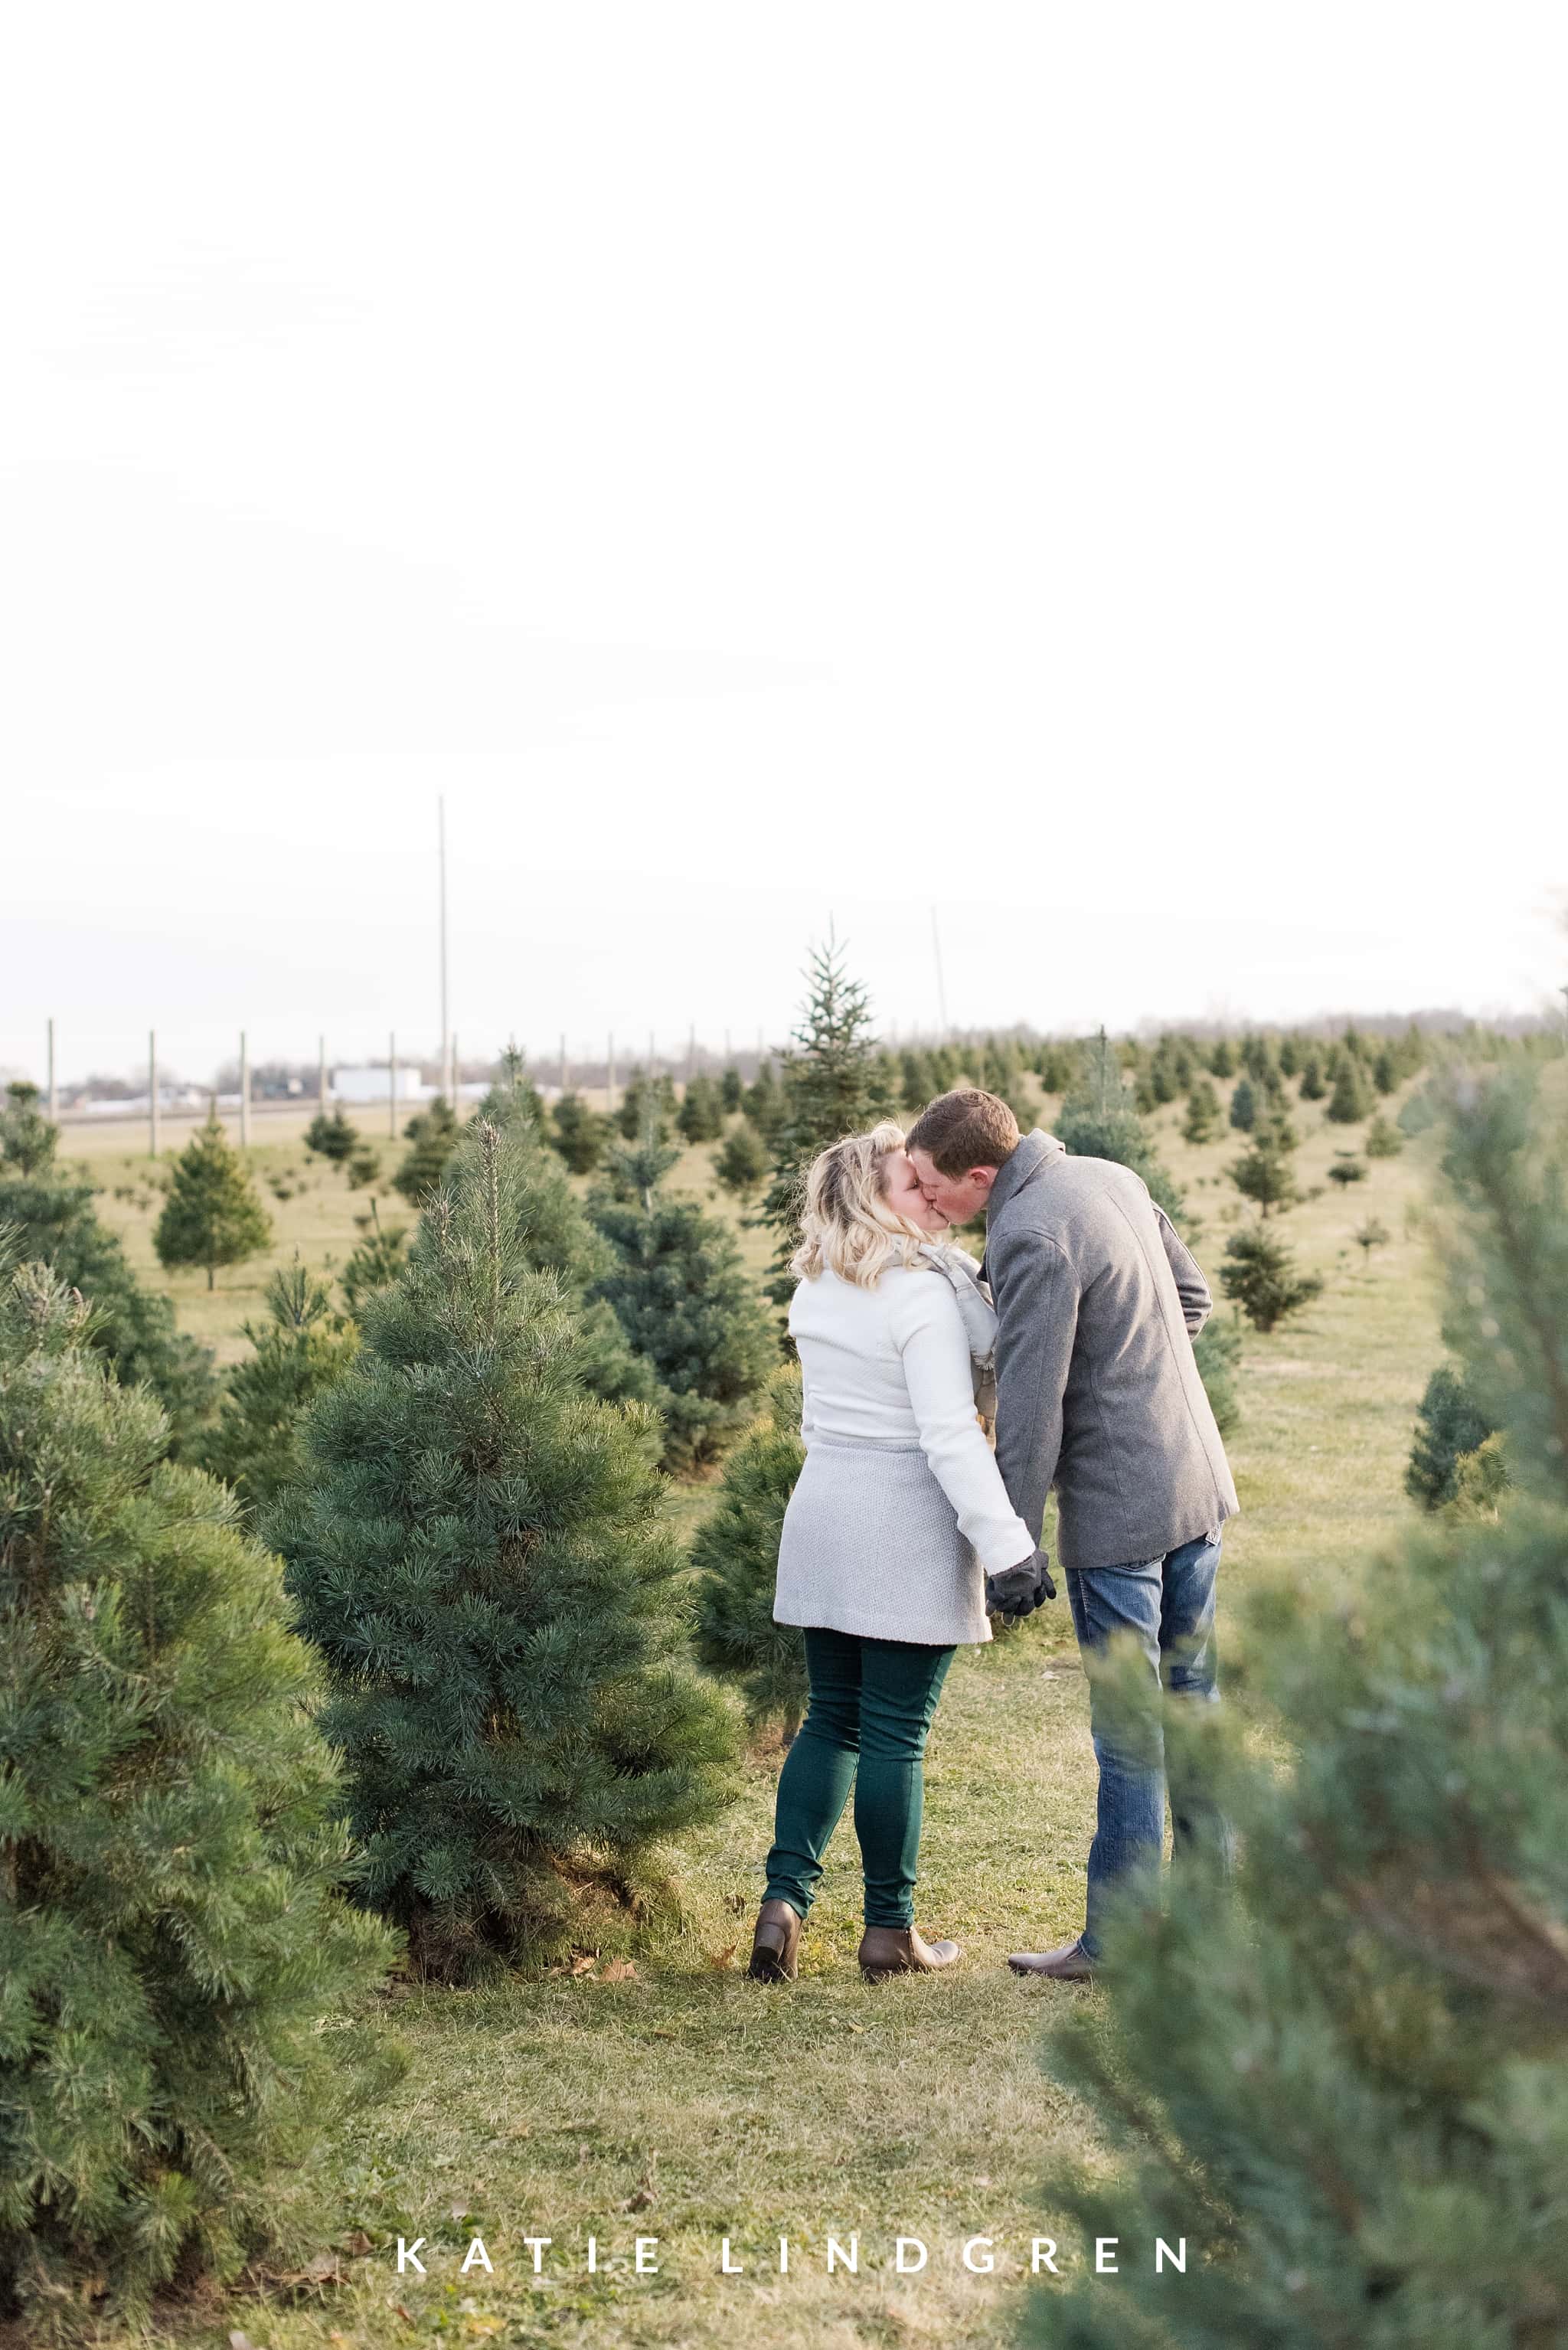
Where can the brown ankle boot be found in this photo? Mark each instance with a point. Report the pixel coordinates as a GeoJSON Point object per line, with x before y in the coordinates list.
{"type": "Point", "coordinates": [901, 1950]}
{"type": "Point", "coordinates": [775, 1943]}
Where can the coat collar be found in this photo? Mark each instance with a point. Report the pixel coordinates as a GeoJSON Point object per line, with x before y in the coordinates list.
{"type": "Point", "coordinates": [1034, 1151]}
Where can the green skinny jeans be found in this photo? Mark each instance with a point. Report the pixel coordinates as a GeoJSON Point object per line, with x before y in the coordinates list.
{"type": "Point", "coordinates": [870, 1710]}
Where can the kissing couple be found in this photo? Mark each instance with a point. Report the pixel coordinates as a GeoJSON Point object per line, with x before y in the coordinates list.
{"type": "Point", "coordinates": [905, 1533]}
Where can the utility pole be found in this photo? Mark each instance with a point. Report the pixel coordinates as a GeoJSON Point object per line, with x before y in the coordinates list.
{"type": "Point", "coordinates": [54, 1097]}
{"type": "Point", "coordinates": [321, 1075]}
{"type": "Point", "coordinates": [152, 1093]}
{"type": "Point", "coordinates": [609, 1074]}
{"type": "Point", "coordinates": [245, 1094]}
{"type": "Point", "coordinates": [445, 1035]}
{"type": "Point", "coordinates": [392, 1085]}
{"type": "Point", "coordinates": [941, 990]}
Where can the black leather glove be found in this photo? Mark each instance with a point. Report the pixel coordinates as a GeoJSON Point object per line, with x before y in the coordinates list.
{"type": "Point", "coordinates": [1018, 1590]}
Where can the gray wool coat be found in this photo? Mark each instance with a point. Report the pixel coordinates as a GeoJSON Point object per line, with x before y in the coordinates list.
{"type": "Point", "coordinates": [1098, 1303]}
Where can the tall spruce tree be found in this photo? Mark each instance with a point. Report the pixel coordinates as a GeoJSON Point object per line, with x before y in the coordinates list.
{"type": "Point", "coordinates": [172, 1934]}
{"type": "Point", "coordinates": [1098, 1119]}
{"type": "Point", "coordinates": [300, 1350]}
{"type": "Point", "coordinates": [213, 1215]}
{"type": "Point", "coordinates": [1361, 2125]}
{"type": "Point", "coordinates": [686, 1303]}
{"type": "Point", "coordinates": [833, 1086]}
{"type": "Point", "coordinates": [736, 1554]}
{"type": "Point", "coordinates": [479, 1551]}
{"type": "Point", "coordinates": [133, 1328]}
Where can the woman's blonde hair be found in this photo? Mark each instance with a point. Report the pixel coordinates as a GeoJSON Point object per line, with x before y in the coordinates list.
{"type": "Point", "coordinates": [848, 1224]}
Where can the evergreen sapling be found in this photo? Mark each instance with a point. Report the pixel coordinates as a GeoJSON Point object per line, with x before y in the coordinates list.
{"type": "Point", "coordinates": [480, 1553]}
{"type": "Point", "coordinates": [172, 1936]}
{"type": "Point", "coordinates": [211, 1216]}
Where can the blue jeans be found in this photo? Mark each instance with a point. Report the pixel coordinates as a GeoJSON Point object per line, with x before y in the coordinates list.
{"type": "Point", "coordinates": [1167, 1606]}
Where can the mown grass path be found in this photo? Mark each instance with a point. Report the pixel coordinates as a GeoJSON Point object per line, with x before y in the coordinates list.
{"type": "Point", "coordinates": [686, 2104]}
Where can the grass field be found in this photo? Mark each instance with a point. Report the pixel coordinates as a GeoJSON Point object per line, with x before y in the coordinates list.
{"type": "Point", "coordinates": [683, 2102]}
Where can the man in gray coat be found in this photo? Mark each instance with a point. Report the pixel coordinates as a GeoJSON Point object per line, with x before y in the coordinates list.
{"type": "Point", "coordinates": [1098, 1394]}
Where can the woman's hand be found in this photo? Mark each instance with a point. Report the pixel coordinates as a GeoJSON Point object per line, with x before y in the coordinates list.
{"type": "Point", "coordinates": [1018, 1590]}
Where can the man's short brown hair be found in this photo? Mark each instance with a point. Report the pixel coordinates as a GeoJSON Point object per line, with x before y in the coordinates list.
{"type": "Point", "coordinates": [963, 1129]}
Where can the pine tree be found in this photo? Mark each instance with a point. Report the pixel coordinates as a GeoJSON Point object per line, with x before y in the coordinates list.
{"type": "Point", "coordinates": [1361, 2124]}
{"type": "Point", "coordinates": [213, 1215]}
{"type": "Point", "coordinates": [701, 1118]}
{"type": "Point", "coordinates": [1060, 1069]}
{"type": "Point", "coordinates": [579, 1133]}
{"type": "Point", "coordinates": [302, 1349]}
{"type": "Point", "coordinates": [731, 1090]}
{"type": "Point", "coordinates": [1244, 1106]}
{"type": "Point", "coordinates": [433, 1133]}
{"type": "Point", "coordinates": [687, 1305]}
{"type": "Point", "coordinates": [764, 1102]}
{"type": "Point", "coordinates": [1202, 1113]}
{"type": "Point", "coordinates": [1291, 1057]}
{"type": "Point", "coordinates": [1450, 1427]}
{"type": "Point", "coordinates": [1260, 1274]}
{"type": "Point", "coordinates": [1098, 1120]}
{"type": "Point", "coordinates": [1351, 1099]}
{"type": "Point", "coordinates": [646, 1099]}
{"type": "Point", "coordinates": [131, 1328]}
{"type": "Point", "coordinates": [1386, 1071]}
{"type": "Point", "coordinates": [333, 1139]}
{"type": "Point", "coordinates": [736, 1554]}
{"type": "Point", "coordinates": [1347, 1168]}
{"type": "Point", "coordinates": [27, 1138]}
{"type": "Point", "coordinates": [375, 1261]}
{"type": "Point", "coordinates": [1222, 1058]}
{"type": "Point", "coordinates": [172, 1938]}
{"type": "Point", "coordinates": [1384, 1140]}
{"type": "Point", "coordinates": [1266, 1175]}
{"type": "Point", "coordinates": [480, 1554]}
{"type": "Point", "coordinates": [743, 1160]}
{"type": "Point", "coordinates": [1312, 1086]}
{"type": "Point", "coordinates": [831, 1088]}
{"type": "Point", "coordinates": [555, 1237]}
{"type": "Point", "coordinates": [1371, 1234]}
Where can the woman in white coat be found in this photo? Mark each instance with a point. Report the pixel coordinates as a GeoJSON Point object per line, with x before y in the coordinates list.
{"type": "Point", "coordinates": [897, 1536]}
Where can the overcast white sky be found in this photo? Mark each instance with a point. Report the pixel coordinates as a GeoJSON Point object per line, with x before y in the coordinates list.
{"type": "Point", "coordinates": [1098, 470]}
